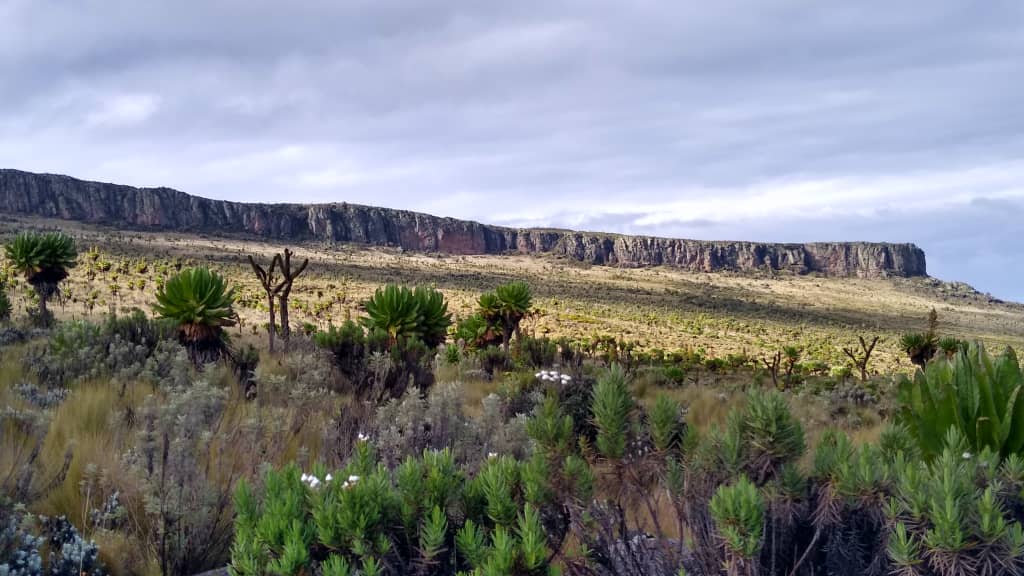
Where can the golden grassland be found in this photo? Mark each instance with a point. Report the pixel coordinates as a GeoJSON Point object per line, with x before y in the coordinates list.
{"type": "Point", "coordinates": [659, 308]}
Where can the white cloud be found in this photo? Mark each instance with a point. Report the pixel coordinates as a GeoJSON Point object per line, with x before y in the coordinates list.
{"type": "Point", "coordinates": [123, 110]}
{"type": "Point", "coordinates": [760, 120]}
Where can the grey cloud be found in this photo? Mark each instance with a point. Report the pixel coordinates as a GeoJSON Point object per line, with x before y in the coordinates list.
{"type": "Point", "coordinates": [553, 112]}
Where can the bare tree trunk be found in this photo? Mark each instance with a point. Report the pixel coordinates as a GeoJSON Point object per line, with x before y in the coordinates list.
{"type": "Point", "coordinates": [270, 326]}
{"type": "Point", "coordinates": [266, 278]}
{"type": "Point", "coordinates": [284, 289]}
{"type": "Point", "coordinates": [286, 327]}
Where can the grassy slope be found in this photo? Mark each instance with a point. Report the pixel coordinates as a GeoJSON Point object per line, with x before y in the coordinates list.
{"type": "Point", "coordinates": [659, 307]}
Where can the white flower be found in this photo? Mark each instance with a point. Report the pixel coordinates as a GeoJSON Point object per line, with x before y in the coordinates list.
{"type": "Point", "coordinates": [328, 478]}
{"type": "Point", "coordinates": [492, 454]}
{"type": "Point", "coordinates": [363, 437]}
{"type": "Point", "coordinates": [353, 479]}
{"type": "Point", "coordinates": [966, 455]}
{"type": "Point", "coordinates": [305, 477]}
{"type": "Point", "coordinates": [538, 374]}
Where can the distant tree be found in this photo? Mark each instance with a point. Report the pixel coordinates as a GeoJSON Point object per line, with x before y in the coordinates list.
{"type": "Point", "coordinates": [285, 288]}
{"type": "Point", "coordinates": [271, 289]}
{"type": "Point", "coordinates": [44, 260]}
{"type": "Point", "coordinates": [773, 367]}
{"type": "Point", "coordinates": [505, 308]}
{"type": "Point", "coordinates": [863, 356]}
{"type": "Point", "coordinates": [921, 347]}
{"type": "Point", "coordinates": [792, 354]}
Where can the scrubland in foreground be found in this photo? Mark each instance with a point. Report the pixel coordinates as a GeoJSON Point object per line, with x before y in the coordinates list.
{"type": "Point", "coordinates": [162, 441]}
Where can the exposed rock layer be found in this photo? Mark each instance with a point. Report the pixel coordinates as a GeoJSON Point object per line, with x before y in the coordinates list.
{"type": "Point", "coordinates": [55, 196]}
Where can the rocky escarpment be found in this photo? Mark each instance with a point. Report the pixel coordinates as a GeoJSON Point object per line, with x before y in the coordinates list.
{"type": "Point", "coordinates": [55, 196]}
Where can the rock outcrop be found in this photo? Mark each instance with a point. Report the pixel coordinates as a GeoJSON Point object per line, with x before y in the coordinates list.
{"type": "Point", "coordinates": [55, 196]}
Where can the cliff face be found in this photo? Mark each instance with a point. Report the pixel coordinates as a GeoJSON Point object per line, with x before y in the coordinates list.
{"type": "Point", "coordinates": [54, 196]}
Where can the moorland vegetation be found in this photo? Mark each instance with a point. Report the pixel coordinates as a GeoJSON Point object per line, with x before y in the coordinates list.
{"type": "Point", "coordinates": [414, 440]}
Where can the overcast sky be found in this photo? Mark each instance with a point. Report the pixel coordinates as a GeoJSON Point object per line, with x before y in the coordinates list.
{"type": "Point", "coordinates": [788, 120]}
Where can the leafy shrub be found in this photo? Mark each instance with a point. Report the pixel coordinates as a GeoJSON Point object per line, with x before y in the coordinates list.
{"type": "Point", "coordinates": [200, 303]}
{"type": "Point", "coordinates": [406, 426]}
{"type": "Point", "coordinates": [919, 347]}
{"type": "Point", "coordinates": [43, 399]}
{"type": "Point", "coordinates": [476, 333]}
{"type": "Point", "coordinates": [978, 395]}
{"type": "Point", "coordinates": [425, 516]}
{"type": "Point", "coordinates": [759, 440]}
{"type": "Point", "coordinates": [739, 512]}
{"type": "Point", "coordinates": [349, 346]}
{"type": "Point", "coordinates": [400, 312]}
{"type": "Point", "coordinates": [376, 367]}
{"type": "Point", "coordinates": [675, 374]}
{"type": "Point", "coordinates": [537, 352]}
{"type": "Point", "coordinates": [611, 407]}
{"type": "Point", "coordinates": [5, 305]}
{"type": "Point", "coordinates": [178, 461]}
{"type": "Point", "coordinates": [945, 522]}
{"type": "Point", "coordinates": [950, 345]}
{"type": "Point", "coordinates": [492, 359]}
{"type": "Point", "coordinates": [26, 541]}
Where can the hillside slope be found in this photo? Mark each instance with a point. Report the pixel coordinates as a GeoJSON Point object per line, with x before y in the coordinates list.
{"type": "Point", "coordinates": [55, 196]}
{"type": "Point", "coordinates": [658, 307]}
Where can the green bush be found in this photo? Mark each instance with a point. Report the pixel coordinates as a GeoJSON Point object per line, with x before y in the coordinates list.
{"type": "Point", "coordinates": [976, 394]}
{"type": "Point", "coordinates": [537, 352]}
{"type": "Point", "coordinates": [675, 374]}
{"type": "Point", "coordinates": [919, 347]}
{"type": "Point", "coordinates": [425, 516]}
{"type": "Point", "coordinates": [739, 512]}
{"type": "Point", "coordinates": [5, 304]}
{"type": "Point", "coordinates": [611, 407]}
{"type": "Point", "coordinates": [403, 313]}
{"type": "Point", "coordinates": [200, 303]}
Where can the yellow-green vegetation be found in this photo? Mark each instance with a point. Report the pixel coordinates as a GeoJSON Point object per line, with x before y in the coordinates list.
{"type": "Point", "coordinates": [494, 416]}
{"type": "Point", "coordinates": [656, 309]}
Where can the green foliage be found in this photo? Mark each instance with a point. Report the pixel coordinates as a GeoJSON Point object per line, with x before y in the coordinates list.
{"type": "Point", "coordinates": [5, 304]}
{"type": "Point", "coordinates": [505, 308]}
{"type": "Point", "coordinates": [919, 347]}
{"type": "Point", "coordinates": [42, 258]}
{"type": "Point", "coordinates": [611, 407]}
{"type": "Point", "coordinates": [952, 514]}
{"type": "Point", "coordinates": [950, 345]}
{"type": "Point", "coordinates": [476, 332]}
{"type": "Point", "coordinates": [766, 434]}
{"type": "Point", "coordinates": [976, 394]}
{"type": "Point", "coordinates": [666, 423]}
{"type": "Point", "coordinates": [410, 519]}
{"type": "Point", "coordinates": [199, 301]}
{"type": "Point", "coordinates": [739, 511]}
{"type": "Point", "coordinates": [401, 312]}
{"type": "Point", "coordinates": [537, 352]}
{"type": "Point", "coordinates": [550, 428]}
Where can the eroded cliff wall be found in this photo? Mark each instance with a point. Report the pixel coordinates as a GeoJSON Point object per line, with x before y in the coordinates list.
{"type": "Point", "coordinates": [55, 196]}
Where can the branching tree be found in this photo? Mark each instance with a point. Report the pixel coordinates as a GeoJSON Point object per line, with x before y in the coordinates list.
{"type": "Point", "coordinates": [284, 289]}
{"type": "Point", "coordinates": [267, 281]}
{"type": "Point", "coordinates": [773, 367]}
{"type": "Point", "coordinates": [860, 359]}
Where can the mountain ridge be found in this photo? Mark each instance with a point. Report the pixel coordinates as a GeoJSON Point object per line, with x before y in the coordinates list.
{"type": "Point", "coordinates": [162, 208]}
